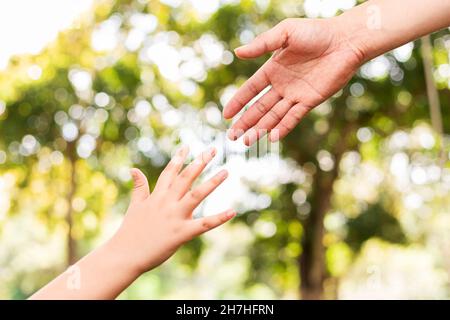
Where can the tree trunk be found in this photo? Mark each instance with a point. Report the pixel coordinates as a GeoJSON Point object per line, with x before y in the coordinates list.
{"type": "Point", "coordinates": [433, 95]}
{"type": "Point", "coordinates": [71, 243]}
{"type": "Point", "coordinates": [432, 92]}
{"type": "Point", "coordinates": [312, 260]}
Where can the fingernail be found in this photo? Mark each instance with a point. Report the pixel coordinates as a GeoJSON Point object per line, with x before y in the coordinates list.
{"type": "Point", "coordinates": [273, 137]}
{"type": "Point", "coordinates": [231, 213]}
{"type": "Point", "coordinates": [231, 134]}
{"type": "Point", "coordinates": [246, 140]}
{"type": "Point", "coordinates": [240, 47]}
{"type": "Point", "coordinates": [249, 140]}
{"type": "Point", "coordinates": [207, 156]}
{"type": "Point", "coordinates": [183, 150]}
{"type": "Point", "coordinates": [222, 174]}
{"type": "Point", "coordinates": [251, 137]}
{"type": "Point", "coordinates": [226, 115]}
{"type": "Point", "coordinates": [238, 133]}
{"type": "Point", "coordinates": [235, 134]}
{"type": "Point", "coordinates": [133, 172]}
{"type": "Point", "coordinates": [180, 154]}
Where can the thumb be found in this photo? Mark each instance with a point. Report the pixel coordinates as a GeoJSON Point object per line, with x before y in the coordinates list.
{"type": "Point", "coordinates": [140, 189]}
{"type": "Point", "coordinates": [268, 41]}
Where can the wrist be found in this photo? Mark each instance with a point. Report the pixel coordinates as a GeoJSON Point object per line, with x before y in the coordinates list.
{"type": "Point", "coordinates": [353, 36]}
{"type": "Point", "coordinates": [121, 258]}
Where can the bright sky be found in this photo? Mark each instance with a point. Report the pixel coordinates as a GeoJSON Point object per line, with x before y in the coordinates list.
{"type": "Point", "coordinates": [26, 26]}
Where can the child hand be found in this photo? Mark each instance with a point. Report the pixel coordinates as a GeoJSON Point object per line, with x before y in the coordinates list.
{"type": "Point", "coordinates": [154, 227]}
{"type": "Point", "coordinates": [158, 223]}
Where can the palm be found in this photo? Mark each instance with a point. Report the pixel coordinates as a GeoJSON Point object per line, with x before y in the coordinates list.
{"type": "Point", "coordinates": [312, 64]}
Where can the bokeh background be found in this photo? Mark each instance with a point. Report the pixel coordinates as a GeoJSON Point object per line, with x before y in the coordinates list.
{"type": "Point", "coordinates": [358, 205]}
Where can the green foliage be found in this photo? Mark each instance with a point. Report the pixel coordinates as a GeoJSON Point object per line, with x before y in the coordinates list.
{"type": "Point", "coordinates": [260, 256]}
{"type": "Point", "coordinates": [375, 222]}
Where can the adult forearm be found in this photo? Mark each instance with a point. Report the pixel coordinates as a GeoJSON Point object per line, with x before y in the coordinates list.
{"type": "Point", "coordinates": [378, 26]}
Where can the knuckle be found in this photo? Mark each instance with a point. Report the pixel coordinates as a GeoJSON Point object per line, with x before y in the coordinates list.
{"type": "Point", "coordinates": [138, 184]}
{"type": "Point", "coordinates": [238, 100]}
{"type": "Point", "coordinates": [265, 45]}
{"type": "Point", "coordinates": [286, 125]}
{"type": "Point", "coordinates": [297, 114]}
{"type": "Point", "coordinates": [251, 86]}
{"type": "Point", "coordinates": [265, 75]}
{"type": "Point", "coordinates": [286, 26]}
{"type": "Point", "coordinates": [196, 195]}
{"type": "Point", "coordinates": [262, 40]}
{"type": "Point", "coordinates": [261, 36]}
{"type": "Point", "coordinates": [275, 116]}
{"type": "Point", "coordinates": [185, 173]}
{"type": "Point", "coordinates": [206, 225]}
{"type": "Point", "coordinates": [261, 106]}
{"type": "Point", "coordinates": [245, 123]}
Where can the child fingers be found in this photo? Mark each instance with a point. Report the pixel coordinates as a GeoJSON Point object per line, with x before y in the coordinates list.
{"type": "Point", "coordinates": [184, 181]}
{"type": "Point", "coordinates": [193, 198]}
{"type": "Point", "coordinates": [141, 189]}
{"type": "Point", "coordinates": [172, 169]}
{"type": "Point", "coordinates": [202, 225]}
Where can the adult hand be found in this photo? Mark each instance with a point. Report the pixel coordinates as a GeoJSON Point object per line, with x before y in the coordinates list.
{"type": "Point", "coordinates": [312, 60]}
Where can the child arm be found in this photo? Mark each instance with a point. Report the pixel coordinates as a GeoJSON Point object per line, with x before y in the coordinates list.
{"type": "Point", "coordinates": [154, 227]}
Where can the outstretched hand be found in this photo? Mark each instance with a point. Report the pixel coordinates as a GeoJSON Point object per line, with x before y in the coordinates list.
{"type": "Point", "coordinates": [312, 60]}
{"type": "Point", "coordinates": [158, 223]}
{"type": "Point", "coordinates": [155, 226]}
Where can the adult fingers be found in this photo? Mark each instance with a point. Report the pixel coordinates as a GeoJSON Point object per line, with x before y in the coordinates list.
{"type": "Point", "coordinates": [288, 123]}
{"type": "Point", "coordinates": [254, 114]}
{"type": "Point", "coordinates": [251, 88]}
{"type": "Point", "coordinates": [268, 41]}
{"type": "Point", "coordinates": [268, 121]}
